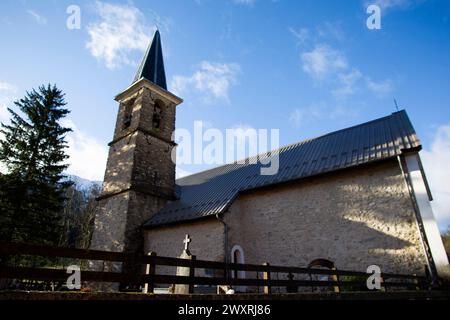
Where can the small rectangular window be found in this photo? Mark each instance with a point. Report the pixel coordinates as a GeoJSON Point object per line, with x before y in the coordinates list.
{"type": "Point", "coordinates": [156, 123]}
{"type": "Point", "coordinates": [127, 117]}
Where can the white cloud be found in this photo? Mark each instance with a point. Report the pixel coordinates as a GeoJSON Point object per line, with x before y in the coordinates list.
{"type": "Point", "coordinates": [322, 61]}
{"type": "Point", "coordinates": [245, 2]}
{"type": "Point", "coordinates": [325, 64]}
{"type": "Point", "coordinates": [326, 31]}
{"type": "Point", "coordinates": [331, 30]}
{"type": "Point", "coordinates": [7, 94]}
{"type": "Point", "coordinates": [5, 86]}
{"type": "Point", "coordinates": [213, 80]}
{"type": "Point", "coordinates": [435, 162]}
{"type": "Point", "coordinates": [300, 116]}
{"type": "Point", "coordinates": [381, 88]}
{"type": "Point", "coordinates": [120, 30]}
{"type": "Point", "coordinates": [384, 4]}
{"type": "Point", "coordinates": [87, 155]}
{"type": "Point", "coordinates": [301, 35]}
{"type": "Point", "coordinates": [321, 111]}
{"type": "Point", "coordinates": [348, 82]}
{"type": "Point", "coordinates": [296, 117]}
{"type": "Point", "coordinates": [3, 111]}
{"type": "Point", "coordinates": [329, 66]}
{"type": "Point", "coordinates": [37, 17]}
{"type": "Point", "coordinates": [391, 4]}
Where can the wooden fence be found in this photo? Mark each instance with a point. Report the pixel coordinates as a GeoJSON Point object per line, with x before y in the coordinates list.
{"type": "Point", "coordinates": [336, 279]}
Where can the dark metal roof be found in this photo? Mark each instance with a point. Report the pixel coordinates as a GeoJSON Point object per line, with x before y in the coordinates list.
{"type": "Point", "coordinates": [210, 192]}
{"type": "Point", "coordinates": [152, 65]}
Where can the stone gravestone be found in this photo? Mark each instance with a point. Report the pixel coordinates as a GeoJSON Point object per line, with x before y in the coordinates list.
{"type": "Point", "coordinates": [184, 271]}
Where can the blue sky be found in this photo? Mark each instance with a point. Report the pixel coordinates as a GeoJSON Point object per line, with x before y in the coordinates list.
{"type": "Point", "coordinates": [305, 67]}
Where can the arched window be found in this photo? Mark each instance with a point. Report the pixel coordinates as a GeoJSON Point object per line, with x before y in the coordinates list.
{"type": "Point", "coordinates": [127, 114]}
{"type": "Point", "coordinates": [237, 256]}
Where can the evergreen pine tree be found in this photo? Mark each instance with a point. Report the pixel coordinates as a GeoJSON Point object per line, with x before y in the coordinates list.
{"type": "Point", "coordinates": [32, 149]}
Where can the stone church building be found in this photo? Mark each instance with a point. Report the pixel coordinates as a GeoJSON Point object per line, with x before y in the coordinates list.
{"type": "Point", "coordinates": [358, 196]}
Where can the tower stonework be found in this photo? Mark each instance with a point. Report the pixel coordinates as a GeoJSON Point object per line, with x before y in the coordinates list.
{"type": "Point", "coordinates": [140, 174]}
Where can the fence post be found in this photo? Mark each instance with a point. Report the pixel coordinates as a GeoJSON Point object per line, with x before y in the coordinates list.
{"type": "Point", "coordinates": [192, 275]}
{"type": "Point", "coordinates": [382, 287]}
{"type": "Point", "coordinates": [266, 276]}
{"type": "Point", "coordinates": [335, 277]}
{"type": "Point", "coordinates": [149, 271]}
{"type": "Point", "coordinates": [416, 282]}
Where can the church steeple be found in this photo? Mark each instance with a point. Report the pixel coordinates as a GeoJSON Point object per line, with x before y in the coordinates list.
{"type": "Point", "coordinates": [152, 65]}
{"type": "Point", "coordinates": [140, 173]}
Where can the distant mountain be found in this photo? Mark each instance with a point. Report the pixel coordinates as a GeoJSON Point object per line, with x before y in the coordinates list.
{"type": "Point", "coordinates": [82, 184]}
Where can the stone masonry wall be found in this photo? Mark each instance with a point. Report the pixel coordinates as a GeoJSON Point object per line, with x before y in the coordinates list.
{"type": "Point", "coordinates": [153, 170]}
{"type": "Point", "coordinates": [120, 164]}
{"type": "Point", "coordinates": [207, 241]}
{"type": "Point", "coordinates": [355, 218]}
{"type": "Point", "coordinates": [118, 227]}
{"type": "Point", "coordinates": [110, 223]}
{"type": "Point", "coordinates": [116, 230]}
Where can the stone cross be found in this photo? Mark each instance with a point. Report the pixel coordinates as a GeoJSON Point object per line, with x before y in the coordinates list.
{"type": "Point", "coordinates": [186, 241]}
{"type": "Point", "coordinates": [184, 271]}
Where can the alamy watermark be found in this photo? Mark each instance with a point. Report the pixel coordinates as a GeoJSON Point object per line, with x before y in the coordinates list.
{"type": "Point", "coordinates": [239, 145]}
{"type": "Point", "coordinates": [74, 280]}
{"type": "Point", "coordinates": [73, 21]}
{"type": "Point", "coordinates": [373, 22]}
{"type": "Point", "coordinates": [373, 282]}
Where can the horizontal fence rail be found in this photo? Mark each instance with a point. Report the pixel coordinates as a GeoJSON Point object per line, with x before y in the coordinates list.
{"type": "Point", "coordinates": [336, 278]}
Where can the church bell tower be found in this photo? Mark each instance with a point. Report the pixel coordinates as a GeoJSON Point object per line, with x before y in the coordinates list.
{"type": "Point", "coordinates": [140, 174]}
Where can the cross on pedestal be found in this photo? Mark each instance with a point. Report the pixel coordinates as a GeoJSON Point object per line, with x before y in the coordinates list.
{"type": "Point", "coordinates": [186, 241]}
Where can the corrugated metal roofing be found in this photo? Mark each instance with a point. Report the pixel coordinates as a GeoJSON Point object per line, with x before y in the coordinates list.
{"type": "Point", "coordinates": [212, 191]}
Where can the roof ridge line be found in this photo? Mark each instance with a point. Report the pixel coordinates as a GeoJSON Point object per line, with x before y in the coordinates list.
{"type": "Point", "coordinates": [243, 161]}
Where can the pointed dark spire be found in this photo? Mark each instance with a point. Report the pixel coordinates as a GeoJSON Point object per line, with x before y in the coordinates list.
{"type": "Point", "coordinates": [152, 65]}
